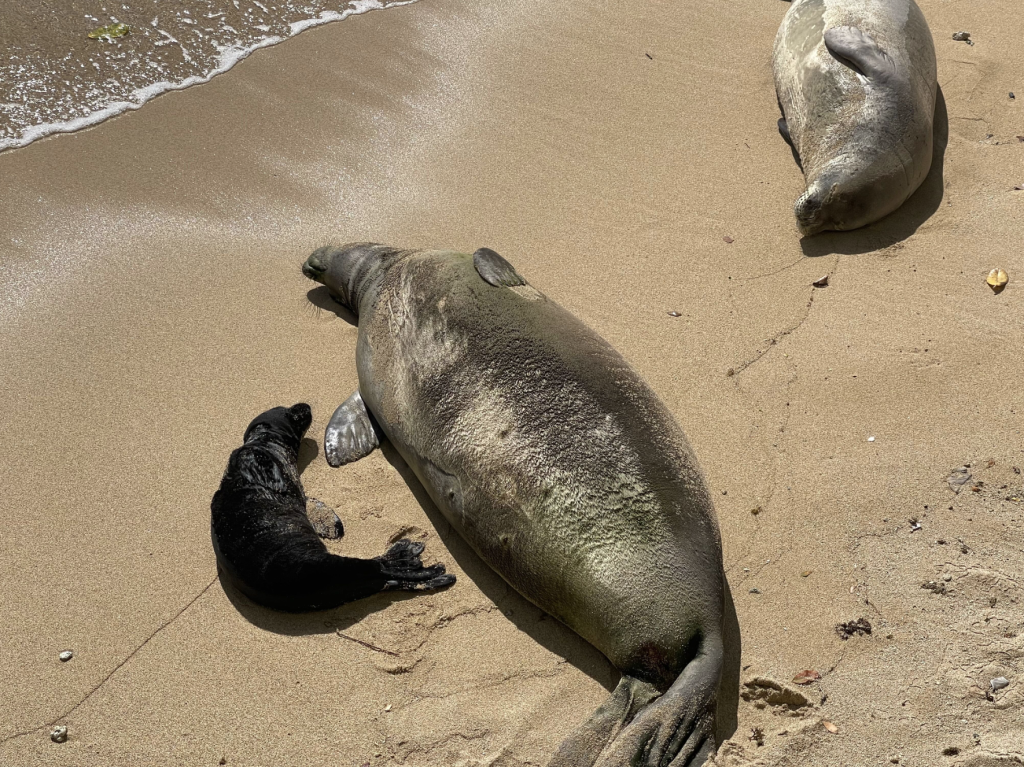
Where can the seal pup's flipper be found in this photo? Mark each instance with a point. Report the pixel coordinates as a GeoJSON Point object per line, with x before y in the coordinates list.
{"type": "Point", "coordinates": [405, 572]}
{"type": "Point", "coordinates": [853, 48]}
{"type": "Point", "coordinates": [300, 578]}
{"type": "Point", "coordinates": [324, 520]}
{"type": "Point", "coordinates": [350, 434]}
{"type": "Point", "coordinates": [496, 270]}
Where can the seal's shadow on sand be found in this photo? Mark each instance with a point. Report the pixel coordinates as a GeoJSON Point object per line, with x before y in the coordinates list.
{"type": "Point", "coordinates": [903, 221]}
{"type": "Point", "coordinates": [548, 631]}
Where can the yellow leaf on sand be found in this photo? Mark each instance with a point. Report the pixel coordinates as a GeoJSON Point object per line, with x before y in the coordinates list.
{"type": "Point", "coordinates": [997, 278]}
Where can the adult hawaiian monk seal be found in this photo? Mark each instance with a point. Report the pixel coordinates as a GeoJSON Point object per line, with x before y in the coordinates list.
{"type": "Point", "coordinates": [856, 84]}
{"type": "Point", "coordinates": [561, 468]}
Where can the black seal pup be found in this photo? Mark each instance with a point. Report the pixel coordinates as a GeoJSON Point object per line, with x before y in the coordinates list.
{"type": "Point", "coordinates": [268, 548]}
{"type": "Point", "coordinates": [558, 464]}
{"type": "Point", "coordinates": [856, 83]}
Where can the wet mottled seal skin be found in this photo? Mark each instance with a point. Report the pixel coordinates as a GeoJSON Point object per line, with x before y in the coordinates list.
{"type": "Point", "coordinates": [856, 83]}
{"type": "Point", "coordinates": [561, 468]}
{"type": "Point", "coordinates": [268, 548]}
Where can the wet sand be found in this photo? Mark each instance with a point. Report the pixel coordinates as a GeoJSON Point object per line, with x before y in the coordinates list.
{"type": "Point", "coordinates": [152, 304]}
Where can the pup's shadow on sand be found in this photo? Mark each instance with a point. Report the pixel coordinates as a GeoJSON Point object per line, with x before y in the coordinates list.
{"type": "Point", "coordinates": [903, 221]}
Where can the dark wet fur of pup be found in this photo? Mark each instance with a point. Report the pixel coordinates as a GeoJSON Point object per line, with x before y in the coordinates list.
{"type": "Point", "coordinates": [266, 545]}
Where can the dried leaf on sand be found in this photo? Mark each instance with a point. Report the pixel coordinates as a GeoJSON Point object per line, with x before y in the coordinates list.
{"type": "Point", "coordinates": [806, 676]}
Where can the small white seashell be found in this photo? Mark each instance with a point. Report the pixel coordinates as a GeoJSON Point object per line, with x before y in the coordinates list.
{"type": "Point", "coordinates": [999, 683]}
{"type": "Point", "coordinates": [66, 656]}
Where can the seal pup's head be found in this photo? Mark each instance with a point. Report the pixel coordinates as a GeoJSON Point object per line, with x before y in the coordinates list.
{"type": "Point", "coordinates": [285, 426]}
{"type": "Point", "coordinates": [349, 270]}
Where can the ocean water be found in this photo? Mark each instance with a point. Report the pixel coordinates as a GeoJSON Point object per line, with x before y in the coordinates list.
{"type": "Point", "coordinates": [55, 79]}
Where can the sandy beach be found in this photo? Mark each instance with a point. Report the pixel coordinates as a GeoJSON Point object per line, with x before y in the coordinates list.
{"type": "Point", "coordinates": [626, 161]}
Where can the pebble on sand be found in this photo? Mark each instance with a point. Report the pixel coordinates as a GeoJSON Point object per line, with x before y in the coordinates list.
{"type": "Point", "coordinates": [999, 683]}
{"type": "Point", "coordinates": [59, 734]}
{"type": "Point", "coordinates": [66, 656]}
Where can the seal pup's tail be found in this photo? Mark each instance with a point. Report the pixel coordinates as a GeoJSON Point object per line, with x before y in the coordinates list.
{"type": "Point", "coordinates": [637, 728]}
{"type": "Point", "coordinates": [267, 546]}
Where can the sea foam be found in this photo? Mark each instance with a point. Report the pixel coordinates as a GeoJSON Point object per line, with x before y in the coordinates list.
{"type": "Point", "coordinates": [27, 115]}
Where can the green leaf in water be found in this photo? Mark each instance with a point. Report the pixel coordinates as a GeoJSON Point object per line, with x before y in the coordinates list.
{"type": "Point", "coordinates": [109, 32]}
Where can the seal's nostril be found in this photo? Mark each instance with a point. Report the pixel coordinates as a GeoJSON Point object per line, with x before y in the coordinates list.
{"type": "Point", "coordinates": [314, 268]}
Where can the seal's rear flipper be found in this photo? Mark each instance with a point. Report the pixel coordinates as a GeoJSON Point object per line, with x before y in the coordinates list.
{"type": "Point", "coordinates": [496, 270]}
{"type": "Point", "coordinates": [584, 746]}
{"type": "Point", "coordinates": [677, 729]}
{"type": "Point", "coordinates": [852, 48]}
{"type": "Point", "coordinates": [351, 433]}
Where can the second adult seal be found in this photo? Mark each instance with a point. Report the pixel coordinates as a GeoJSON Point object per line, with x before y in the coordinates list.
{"type": "Point", "coordinates": [558, 464]}
{"type": "Point", "coordinates": [856, 84]}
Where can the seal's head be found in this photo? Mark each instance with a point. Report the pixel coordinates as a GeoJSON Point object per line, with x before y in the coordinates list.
{"type": "Point", "coordinates": [854, 190]}
{"type": "Point", "coordinates": [835, 202]}
{"type": "Point", "coordinates": [844, 195]}
{"type": "Point", "coordinates": [349, 270]}
{"type": "Point", "coordinates": [282, 425]}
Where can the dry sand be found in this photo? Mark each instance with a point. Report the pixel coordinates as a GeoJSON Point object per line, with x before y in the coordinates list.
{"type": "Point", "coordinates": [152, 304]}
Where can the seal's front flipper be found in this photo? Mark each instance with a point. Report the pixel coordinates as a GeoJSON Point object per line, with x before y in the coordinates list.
{"type": "Point", "coordinates": [350, 434]}
{"type": "Point", "coordinates": [853, 48]}
{"type": "Point", "coordinates": [784, 131]}
{"type": "Point", "coordinates": [788, 138]}
{"type": "Point", "coordinates": [325, 522]}
{"type": "Point", "coordinates": [496, 270]}
{"type": "Point", "coordinates": [404, 570]}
